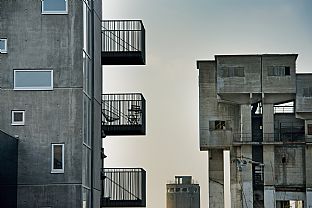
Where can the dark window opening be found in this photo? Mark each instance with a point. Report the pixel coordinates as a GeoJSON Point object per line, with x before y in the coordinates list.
{"type": "Point", "coordinates": [232, 72]}
{"type": "Point", "coordinates": [184, 190]}
{"type": "Point", "coordinates": [284, 160]}
{"type": "Point", "coordinates": [219, 125]}
{"type": "Point", "coordinates": [278, 71]}
{"type": "Point", "coordinates": [309, 129]}
{"type": "Point", "coordinates": [287, 71]}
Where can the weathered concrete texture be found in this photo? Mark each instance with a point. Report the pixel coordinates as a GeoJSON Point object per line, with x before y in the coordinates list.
{"type": "Point", "coordinates": [289, 163]}
{"type": "Point", "coordinates": [211, 108]}
{"type": "Point", "coordinates": [268, 123]}
{"type": "Point", "coordinates": [250, 83]}
{"type": "Point", "coordinates": [235, 178]}
{"type": "Point", "coordinates": [216, 179]}
{"type": "Point", "coordinates": [303, 103]}
{"type": "Point", "coordinates": [279, 84]}
{"type": "Point", "coordinates": [245, 122]}
{"type": "Point", "coordinates": [50, 195]}
{"type": "Point", "coordinates": [37, 41]}
{"type": "Point", "coordinates": [246, 178]}
{"type": "Point", "coordinates": [50, 117]}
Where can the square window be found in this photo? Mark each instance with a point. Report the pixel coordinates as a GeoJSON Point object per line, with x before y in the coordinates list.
{"type": "Point", "coordinates": [54, 6]}
{"type": "Point", "coordinates": [57, 164]}
{"type": "Point", "coordinates": [3, 45]}
{"type": "Point", "coordinates": [33, 79]}
{"type": "Point", "coordinates": [18, 118]}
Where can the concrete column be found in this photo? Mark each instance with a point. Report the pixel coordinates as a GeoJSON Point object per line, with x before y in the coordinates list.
{"type": "Point", "coordinates": [268, 156]}
{"type": "Point", "coordinates": [236, 188]}
{"type": "Point", "coordinates": [269, 197]}
{"type": "Point", "coordinates": [308, 164]}
{"type": "Point", "coordinates": [246, 178]}
{"type": "Point", "coordinates": [268, 123]}
{"type": "Point", "coordinates": [308, 202]}
{"type": "Point", "coordinates": [216, 178]}
{"type": "Point", "coordinates": [246, 122]}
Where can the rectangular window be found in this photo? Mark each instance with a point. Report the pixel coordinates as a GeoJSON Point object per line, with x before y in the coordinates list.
{"type": "Point", "coordinates": [307, 92]}
{"type": "Point", "coordinates": [33, 79]}
{"type": "Point", "coordinates": [3, 45]}
{"type": "Point", "coordinates": [18, 118]}
{"type": "Point", "coordinates": [278, 71]}
{"type": "Point", "coordinates": [57, 165]}
{"type": "Point", "coordinates": [54, 6]}
{"type": "Point", "coordinates": [232, 72]}
{"type": "Point", "coordinates": [309, 129]}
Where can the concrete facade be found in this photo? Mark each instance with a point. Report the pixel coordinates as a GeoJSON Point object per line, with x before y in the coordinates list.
{"type": "Point", "coordinates": [55, 42]}
{"type": "Point", "coordinates": [183, 193]}
{"type": "Point", "coordinates": [257, 107]}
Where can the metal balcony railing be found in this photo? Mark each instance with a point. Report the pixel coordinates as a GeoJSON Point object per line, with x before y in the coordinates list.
{"type": "Point", "coordinates": [123, 42]}
{"type": "Point", "coordinates": [270, 137]}
{"type": "Point", "coordinates": [123, 114]}
{"type": "Point", "coordinates": [123, 187]}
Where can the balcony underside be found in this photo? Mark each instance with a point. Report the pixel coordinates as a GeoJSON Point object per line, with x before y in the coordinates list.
{"type": "Point", "coordinates": [123, 58]}
{"type": "Point", "coordinates": [123, 130]}
{"type": "Point", "coordinates": [106, 202]}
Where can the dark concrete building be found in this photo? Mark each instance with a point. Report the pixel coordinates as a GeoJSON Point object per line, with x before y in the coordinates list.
{"type": "Point", "coordinates": [51, 57]}
{"type": "Point", "coordinates": [8, 170]}
{"type": "Point", "coordinates": [259, 109]}
{"type": "Point", "coordinates": [183, 193]}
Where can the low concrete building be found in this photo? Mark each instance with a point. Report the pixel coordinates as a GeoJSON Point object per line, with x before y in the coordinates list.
{"type": "Point", "coordinates": [183, 193]}
{"type": "Point", "coordinates": [258, 108]}
{"type": "Point", "coordinates": [8, 170]}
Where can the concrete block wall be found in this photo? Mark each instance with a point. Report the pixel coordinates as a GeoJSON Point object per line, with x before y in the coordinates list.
{"type": "Point", "coordinates": [212, 110]}
{"type": "Point", "coordinates": [289, 163]}
{"type": "Point", "coordinates": [279, 84]}
{"type": "Point", "coordinates": [250, 83]}
{"type": "Point", "coordinates": [37, 41]}
{"type": "Point", "coordinates": [303, 103]}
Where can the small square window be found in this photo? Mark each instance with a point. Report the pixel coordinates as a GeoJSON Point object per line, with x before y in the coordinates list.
{"type": "Point", "coordinates": [3, 45]}
{"type": "Point", "coordinates": [18, 118]}
{"type": "Point", "coordinates": [57, 165]}
{"type": "Point", "coordinates": [54, 6]}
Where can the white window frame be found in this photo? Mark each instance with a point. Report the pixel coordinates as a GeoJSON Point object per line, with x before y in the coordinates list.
{"type": "Point", "coordinates": [34, 88]}
{"type": "Point", "coordinates": [17, 123]}
{"type": "Point", "coordinates": [53, 12]}
{"type": "Point", "coordinates": [5, 50]}
{"type": "Point", "coordinates": [52, 159]}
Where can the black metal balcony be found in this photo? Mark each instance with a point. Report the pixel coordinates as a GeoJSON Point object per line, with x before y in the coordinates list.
{"type": "Point", "coordinates": [123, 114]}
{"type": "Point", "coordinates": [123, 42]}
{"type": "Point", "coordinates": [123, 187]}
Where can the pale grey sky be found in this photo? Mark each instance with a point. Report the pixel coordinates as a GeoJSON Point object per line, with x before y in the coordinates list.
{"type": "Point", "coordinates": [179, 32]}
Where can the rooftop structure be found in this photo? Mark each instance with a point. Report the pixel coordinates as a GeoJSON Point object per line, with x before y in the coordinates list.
{"type": "Point", "coordinates": [183, 193]}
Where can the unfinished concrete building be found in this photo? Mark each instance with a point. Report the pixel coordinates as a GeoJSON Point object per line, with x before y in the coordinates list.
{"type": "Point", "coordinates": [259, 109]}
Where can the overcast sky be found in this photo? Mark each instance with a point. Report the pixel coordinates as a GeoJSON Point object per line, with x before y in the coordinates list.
{"type": "Point", "coordinates": [179, 32]}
